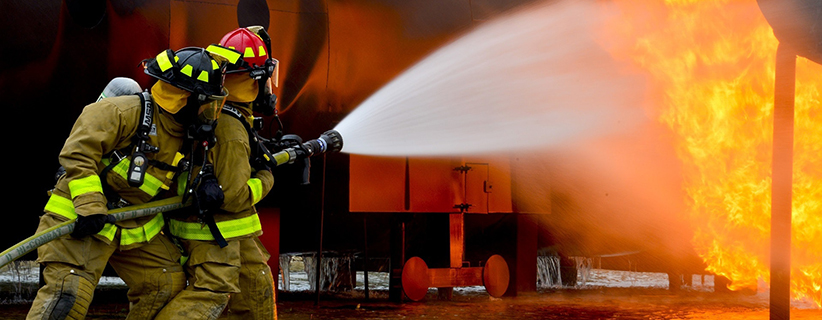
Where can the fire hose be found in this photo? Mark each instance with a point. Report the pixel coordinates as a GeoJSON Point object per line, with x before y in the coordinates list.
{"type": "Point", "coordinates": [330, 141]}
{"type": "Point", "coordinates": [125, 213]}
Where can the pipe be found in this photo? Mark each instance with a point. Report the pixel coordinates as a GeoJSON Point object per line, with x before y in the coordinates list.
{"type": "Point", "coordinates": [320, 247]}
{"type": "Point", "coordinates": [783, 122]}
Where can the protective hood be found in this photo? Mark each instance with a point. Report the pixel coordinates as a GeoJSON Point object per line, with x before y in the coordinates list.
{"type": "Point", "coordinates": [169, 97]}
{"type": "Point", "coordinates": [241, 87]}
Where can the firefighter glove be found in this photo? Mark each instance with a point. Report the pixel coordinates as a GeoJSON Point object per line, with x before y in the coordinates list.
{"type": "Point", "coordinates": [91, 224]}
{"type": "Point", "coordinates": [209, 195]}
{"type": "Point", "coordinates": [260, 164]}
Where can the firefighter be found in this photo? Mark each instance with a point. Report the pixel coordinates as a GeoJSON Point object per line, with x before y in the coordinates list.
{"type": "Point", "coordinates": [227, 264]}
{"type": "Point", "coordinates": [121, 151]}
{"type": "Point", "coordinates": [256, 299]}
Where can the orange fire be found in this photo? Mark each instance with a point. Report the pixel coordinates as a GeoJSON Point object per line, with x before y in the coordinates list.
{"type": "Point", "coordinates": [712, 66]}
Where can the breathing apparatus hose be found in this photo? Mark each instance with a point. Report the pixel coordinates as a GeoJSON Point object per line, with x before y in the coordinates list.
{"type": "Point", "coordinates": [125, 213]}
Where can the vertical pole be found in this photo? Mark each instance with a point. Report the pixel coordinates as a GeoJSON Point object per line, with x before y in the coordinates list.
{"type": "Point", "coordinates": [365, 249]}
{"type": "Point", "coordinates": [397, 243]}
{"type": "Point", "coordinates": [784, 94]}
{"type": "Point", "coordinates": [319, 261]}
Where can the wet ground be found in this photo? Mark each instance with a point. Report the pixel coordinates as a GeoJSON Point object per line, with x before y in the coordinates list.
{"type": "Point", "coordinates": [610, 303]}
{"type": "Point", "coordinates": [606, 294]}
{"type": "Point", "coordinates": [603, 303]}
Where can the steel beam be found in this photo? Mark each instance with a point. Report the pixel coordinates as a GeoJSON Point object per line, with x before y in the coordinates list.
{"type": "Point", "coordinates": [784, 94]}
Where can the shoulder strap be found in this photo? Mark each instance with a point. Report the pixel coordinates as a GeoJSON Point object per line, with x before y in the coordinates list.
{"type": "Point", "coordinates": [146, 116]}
{"type": "Point", "coordinates": [139, 161]}
{"type": "Point", "coordinates": [138, 145]}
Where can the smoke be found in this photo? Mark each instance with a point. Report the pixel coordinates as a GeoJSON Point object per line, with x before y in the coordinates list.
{"type": "Point", "coordinates": [610, 195]}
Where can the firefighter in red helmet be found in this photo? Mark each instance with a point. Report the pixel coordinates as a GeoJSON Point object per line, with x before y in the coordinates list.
{"type": "Point", "coordinates": [252, 81]}
{"type": "Point", "coordinates": [229, 268]}
{"type": "Point", "coordinates": [125, 151]}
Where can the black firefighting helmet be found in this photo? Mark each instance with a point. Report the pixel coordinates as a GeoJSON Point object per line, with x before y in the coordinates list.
{"type": "Point", "coordinates": [192, 69]}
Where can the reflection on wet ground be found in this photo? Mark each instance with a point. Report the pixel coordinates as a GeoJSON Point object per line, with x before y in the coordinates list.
{"type": "Point", "coordinates": [607, 294]}
{"type": "Point", "coordinates": [603, 303]}
{"type": "Point", "coordinates": [607, 303]}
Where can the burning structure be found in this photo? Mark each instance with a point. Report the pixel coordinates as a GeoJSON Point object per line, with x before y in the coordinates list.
{"type": "Point", "coordinates": [477, 219]}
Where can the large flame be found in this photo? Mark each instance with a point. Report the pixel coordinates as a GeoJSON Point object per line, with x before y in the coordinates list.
{"type": "Point", "coordinates": [712, 63]}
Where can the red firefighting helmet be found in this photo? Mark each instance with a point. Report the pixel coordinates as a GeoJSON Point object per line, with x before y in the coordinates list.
{"type": "Point", "coordinates": [250, 45]}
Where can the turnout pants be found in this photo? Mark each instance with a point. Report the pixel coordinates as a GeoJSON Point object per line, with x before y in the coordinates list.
{"type": "Point", "coordinates": [256, 300]}
{"type": "Point", "coordinates": [213, 276]}
{"type": "Point", "coordinates": [74, 266]}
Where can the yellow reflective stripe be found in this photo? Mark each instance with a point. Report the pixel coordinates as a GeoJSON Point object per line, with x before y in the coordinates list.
{"type": "Point", "coordinates": [261, 51]}
{"type": "Point", "coordinates": [65, 207]}
{"type": "Point", "coordinates": [231, 55]}
{"type": "Point", "coordinates": [187, 69]}
{"type": "Point", "coordinates": [144, 233]}
{"type": "Point", "coordinates": [109, 231]}
{"type": "Point", "coordinates": [256, 186]}
{"type": "Point", "coordinates": [203, 76]}
{"type": "Point", "coordinates": [121, 168]}
{"type": "Point", "coordinates": [151, 184]}
{"type": "Point", "coordinates": [229, 228]}
{"type": "Point", "coordinates": [85, 185]}
{"type": "Point", "coordinates": [240, 227]}
{"type": "Point", "coordinates": [249, 53]}
{"type": "Point", "coordinates": [163, 62]}
{"type": "Point", "coordinates": [181, 183]}
{"type": "Point", "coordinates": [61, 206]}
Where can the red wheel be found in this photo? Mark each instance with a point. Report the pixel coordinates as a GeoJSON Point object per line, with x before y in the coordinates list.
{"type": "Point", "coordinates": [495, 276]}
{"type": "Point", "coordinates": [415, 278]}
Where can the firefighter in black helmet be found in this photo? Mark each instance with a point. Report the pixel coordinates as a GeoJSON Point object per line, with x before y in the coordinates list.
{"type": "Point", "coordinates": [234, 262]}
{"type": "Point", "coordinates": [227, 263]}
{"type": "Point", "coordinates": [121, 151]}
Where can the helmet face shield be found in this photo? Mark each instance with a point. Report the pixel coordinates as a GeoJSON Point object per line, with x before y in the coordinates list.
{"type": "Point", "coordinates": [268, 88]}
{"type": "Point", "coordinates": [210, 109]}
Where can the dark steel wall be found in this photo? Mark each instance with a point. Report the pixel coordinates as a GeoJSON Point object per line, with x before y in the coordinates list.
{"type": "Point", "coordinates": [57, 56]}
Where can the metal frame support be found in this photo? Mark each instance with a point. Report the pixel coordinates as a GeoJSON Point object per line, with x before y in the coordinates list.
{"type": "Point", "coordinates": [783, 123]}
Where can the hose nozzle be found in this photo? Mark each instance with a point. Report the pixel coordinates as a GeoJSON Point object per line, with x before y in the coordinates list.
{"type": "Point", "coordinates": [329, 141]}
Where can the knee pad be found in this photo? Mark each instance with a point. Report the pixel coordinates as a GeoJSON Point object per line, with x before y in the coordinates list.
{"type": "Point", "coordinates": [261, 295]}
{"type": "Point", "coordinates": [266, 297]}
{"type": "Point", "coordinates": [157, 291]}
{"type": "Point", "coordinates": [175, 282]}
{"type": "Point", "coordinates": [72, 299]}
